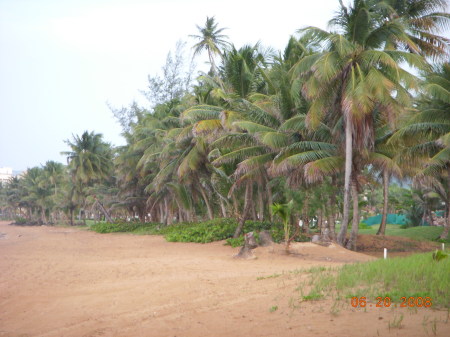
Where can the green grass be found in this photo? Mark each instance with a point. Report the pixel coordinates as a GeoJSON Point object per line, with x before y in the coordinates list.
{"type": "Point", "coordinates": [415, 276]}
{"type": "Point", "coordinates": [268, 277]}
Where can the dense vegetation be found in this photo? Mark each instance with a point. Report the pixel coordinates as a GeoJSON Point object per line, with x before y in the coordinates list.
{"type": "Point", "coordinates": [328, 123]}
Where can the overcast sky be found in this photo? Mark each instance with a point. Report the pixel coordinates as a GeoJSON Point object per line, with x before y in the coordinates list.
{"type": "Point", "coordinates": [62, 60]}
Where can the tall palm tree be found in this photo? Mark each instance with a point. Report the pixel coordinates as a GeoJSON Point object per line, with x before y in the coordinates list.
{"type": "Point", "coordinates": [210, 39]}
{"type": "Point", "coordinates": [89, 161]}
{"type": "Point", "coordinates": [89, 158]}
{"type": "Point", "coordinates": [352, 77]}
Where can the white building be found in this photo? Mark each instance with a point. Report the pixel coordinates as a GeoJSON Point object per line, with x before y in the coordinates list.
{"type": "Point", "coordinates": [5, 174]}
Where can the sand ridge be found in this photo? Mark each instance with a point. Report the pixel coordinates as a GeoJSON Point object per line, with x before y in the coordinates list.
{"type": "Point", "coordinates": [58, 281]}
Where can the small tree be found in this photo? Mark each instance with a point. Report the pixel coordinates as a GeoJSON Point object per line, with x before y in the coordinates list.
{"type": "Point", "coordinates": [284, 212]}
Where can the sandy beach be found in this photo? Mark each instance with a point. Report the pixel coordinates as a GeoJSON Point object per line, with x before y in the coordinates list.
{"type": "Point", "coordinates": [58, 281]}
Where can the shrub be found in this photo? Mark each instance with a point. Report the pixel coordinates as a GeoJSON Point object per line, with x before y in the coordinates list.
{"type": "Point", "coordinates": [20, 221]}
{"type": "Point", "coordinates": [363, 226]}
{"type": "Point", "coordinates": [201, 232]}
{"type": "Point", "coordinates": [106, 227]}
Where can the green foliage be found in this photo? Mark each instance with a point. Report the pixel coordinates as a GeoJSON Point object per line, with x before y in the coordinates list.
{"type": "Point", "coordinates": [284, 212]}
{"type": "Point", "coordinates": [20, 221]}
{"type": "Point", "coordinates": [123, 227]}
{"type": "Point", "coordinates": [363, 226]}
{"type": "Point", "coordinates": [202, 232]}
{"type": "Point", "coordinates": [439, 255]}
{"type": "Point", "coordinates": [236, 242]}
{"type": "Point", "coordinates": [414, 215]}
{"type": "Point", "coordinates": [273, 308]}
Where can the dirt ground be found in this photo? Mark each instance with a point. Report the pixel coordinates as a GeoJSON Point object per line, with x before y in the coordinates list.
{"type": "Point", "coordinates": [57, 281]}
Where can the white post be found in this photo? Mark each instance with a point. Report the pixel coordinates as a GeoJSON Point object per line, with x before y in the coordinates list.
{"type": "Point", "coordinates": [443, 246]}
{"type": "Point", "coordinates": [385, 253]}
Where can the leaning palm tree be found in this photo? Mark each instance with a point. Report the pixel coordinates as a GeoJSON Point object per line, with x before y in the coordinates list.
{"type": "Point", "coordinates": [210, 39]}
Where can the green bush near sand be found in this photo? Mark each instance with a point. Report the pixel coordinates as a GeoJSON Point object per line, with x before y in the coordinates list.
{"type": "Point", "coordinates": [201, 232]}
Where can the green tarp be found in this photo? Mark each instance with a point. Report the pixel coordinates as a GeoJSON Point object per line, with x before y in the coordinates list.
{"type": "Point", "coordinates": [392, 219]}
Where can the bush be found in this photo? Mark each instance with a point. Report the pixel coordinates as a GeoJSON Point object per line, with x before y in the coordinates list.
{"type": "Point", "coordinates": [363, 226]}
{"type": "Point", "coordinates": [201, 232]}
{"type": "Point", "coordinates": [237, 242]}
{"type": "Point", "coordinates": [20, 221]}
{"type": "Point", "coordinates": [106, 227]}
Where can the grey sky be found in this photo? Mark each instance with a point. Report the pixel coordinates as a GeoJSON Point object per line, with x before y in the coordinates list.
{"type": "Point", "coordinates": [61, 61]}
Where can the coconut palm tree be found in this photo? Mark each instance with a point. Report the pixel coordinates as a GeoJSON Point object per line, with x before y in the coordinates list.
{"type": "Point", "coordinates": [212, 40]}
{"type": "Point", "coordinates": [426, 136]}
{"type": "Point", "coordinates": [353, 76]}
{"type": "Point", "coordinates": [422, 20]}
{"type": "Point", "coordinates": [89, 161]}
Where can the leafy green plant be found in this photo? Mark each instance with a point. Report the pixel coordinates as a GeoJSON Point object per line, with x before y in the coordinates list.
{"type": "Point", "coordinates": [439, 255]}
{"type": "Point", "coordinates": [273, 308]}
{"type": "Point", "coordinates": [235, 242]}
{"type": "Point", "coordinates": [284, 212]}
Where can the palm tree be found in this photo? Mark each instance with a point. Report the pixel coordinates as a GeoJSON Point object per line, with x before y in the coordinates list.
{"type": "Point", "coordinates": [427, 137]}
{"type": "Point", "coordinates": [210, 39]}
{"type": "Point", "coordinates": [54, 172]}
{"type": "Point", "coordinates": [422, 21]}
{"type": "Point", "coordinates": [89, 161]}
{"type": "Point", "coordinates": [352, 77]}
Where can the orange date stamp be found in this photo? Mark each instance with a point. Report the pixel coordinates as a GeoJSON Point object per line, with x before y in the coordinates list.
{"type": "Point", "coordinates": [386, 302]}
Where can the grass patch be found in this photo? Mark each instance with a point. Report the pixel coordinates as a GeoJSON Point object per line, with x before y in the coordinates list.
{"type": "Point", "coordinates": [273, 308]}
{"type": "Point", "coordinates": [267, 277]}
{"type": "Point", "coordinates": [415, 276]}
{"type": "Point", "coordinates": [313, 296]}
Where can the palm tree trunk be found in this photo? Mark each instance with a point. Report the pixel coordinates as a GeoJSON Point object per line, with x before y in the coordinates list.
{"type": "Point", "coordinates": [382, 228]}
{"type": "Point", "coordinates": [105, 212]}
{"type": "Point", "coordinates": [253, 208]}
{"type": "Point", "coordinates": [208, 206]}
{"type": "Point", "coordinates": [444, 233]}
{"type": "Point", "coordinates": [223, 208]}
{"type": "Point", "coordinates": [351, 244]}
{"type": "Point", "coordinates": [71, 216]}
{"type": "Point", "coordinates": [269, 199]}
{"type": "Point", "coordinates": [320, 221]}
{"type": "Point", "coordinates": [331, 220]}
{"type": "Point", "coordinates": [246, 211]}
{"type": "Point", "coordinates": [166, 211]}
{"type": "Point", "coordinates": [305, 227]}
{"type": "Point", "coordinates": [44, 220]}
{"type": "Point", "coordinates": [261, 203]}
{"type": "Point", "coordinates": [348, 171]}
